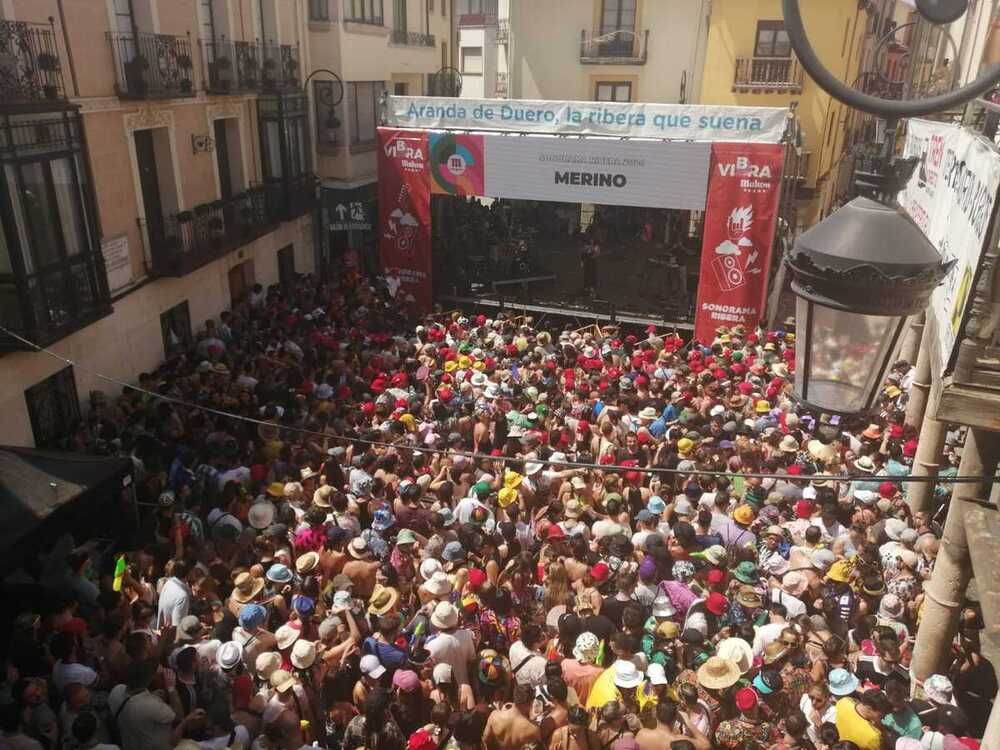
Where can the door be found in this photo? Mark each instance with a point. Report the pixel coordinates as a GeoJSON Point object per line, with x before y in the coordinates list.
{"type": "Point", "coordinates": [222, 160]}
{"type": "Point", "coordinates": [149, 181]}
{"type": "Point", "coordinates": [241, 278]}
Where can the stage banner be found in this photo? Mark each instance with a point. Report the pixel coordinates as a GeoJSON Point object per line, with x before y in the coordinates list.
{"type": "Point", "coordinates": [648, 174]}
{"type": "Point", "coordinates": [681, 122]}
{"type": "Point", "coordinates": [457, 166]}
{"type": "Point", "coordinates": [744, 187]}
{"type": "Point", "coordinates": [404, 211]}
{"type": "Point", "coordinates": [950, 197]}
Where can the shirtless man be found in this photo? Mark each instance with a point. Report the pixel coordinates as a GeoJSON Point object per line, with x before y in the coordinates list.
{"type": "Point", "coordinates": [664, 735]}
{"type": "Point", "coordinates": [510, 728]}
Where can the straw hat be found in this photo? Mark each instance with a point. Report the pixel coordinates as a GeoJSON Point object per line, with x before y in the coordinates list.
{"type": "Point", "coordinates": [383, 599]}
{"type": "Point", "coordinates": [439, 584]}
{"type": "Point", "coordinates": [246, 587]}
{"type": "Point", "coordinates": [267, 664]}
{"type": "Point", "coordinates": [819, 450]}
{"type": "Point", "coordinates": [718, 673]}
{"type": "Point", "coordinates": [774, 651]}
{"type": "Point", "coordinates": [358, 548]}
{"type": "Point", "coordinates": [307, 563]}
{"type": "Point", "coordinates": [444, 616]}
{"type": "Point", "coordinates": [261, 514]}
{"type": "Point", "coordinates": [303, 654]}
{"type": "Point", "coordinates": [282, 681]}
{"type": "Point", "coordinates": [788, 444]}
{"type": "Point", "coordinates": [321, 497]}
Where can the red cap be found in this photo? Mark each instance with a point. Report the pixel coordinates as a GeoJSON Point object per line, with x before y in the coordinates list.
{"type": "Point", "coordinates": [582, 426]}
{"type": "Point", "coordinates": [480, 320]}
{"type": "Point", "coordinates": [887, 490]}
{"type": "Point", "coordinates": [715, 577]}
{"type": "Point", "coordinates": [476, 578]}
{"type": "Point", "coordinates": [368, 407]}
{"type": "Point", "coordinates": [803, 509]}
{"type": "Point", "coordinates": [794, 470]}
{"type": "Point", "coordinates": [716, 603]}
{"type": "Point", "coordinates": [600, 572]}
{"type": "Point", "coordinates": [746, 699]}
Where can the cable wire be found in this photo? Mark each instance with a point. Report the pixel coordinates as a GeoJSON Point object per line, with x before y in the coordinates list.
{"type": "Point", "coordinates": [656, 470]}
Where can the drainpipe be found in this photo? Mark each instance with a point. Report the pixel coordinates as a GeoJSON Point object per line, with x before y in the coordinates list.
{"type": "Point", "coordinates": [69, 49]}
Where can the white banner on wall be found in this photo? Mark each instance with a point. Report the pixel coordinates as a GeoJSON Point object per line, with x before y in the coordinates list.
{"type": "Point", "coordinates": [648, 174]}
{"type": "Point", "coordinates": [680, 122]}
{"type": "Point", "coordinates": [951, 197]}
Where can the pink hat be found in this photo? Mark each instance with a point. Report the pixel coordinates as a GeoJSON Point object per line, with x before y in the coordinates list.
{"type": "Point", "coordinates": [406, 680]}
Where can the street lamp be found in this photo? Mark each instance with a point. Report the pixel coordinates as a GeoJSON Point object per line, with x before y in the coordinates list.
{"type": "Point", "coordinates": [856, 276]}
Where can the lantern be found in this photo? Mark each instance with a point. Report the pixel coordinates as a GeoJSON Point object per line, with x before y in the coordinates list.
{"type": "Point", "coordinates": [857, 276]}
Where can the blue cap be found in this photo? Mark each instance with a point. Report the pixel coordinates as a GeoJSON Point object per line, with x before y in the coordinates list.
{"type": "Point", "coordinates": [252, 616]}
{"type": "Point", "coordinates": [644, 516]}
{"type": "Point", "coordinates": [279, 573]}
{"type": "Point", "coordinates": [303, 604]}
{"type": "Point", "coordinates": [382, 519]}
{"type": "Point", "coordinates": [453, 551]}
{"type": "Point", "coordinates": [656, 505]}
{"type": "Point", "coordinates": [336, 533]}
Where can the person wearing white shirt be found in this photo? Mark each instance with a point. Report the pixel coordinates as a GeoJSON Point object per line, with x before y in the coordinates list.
{"type": "Point", "coordinates": [527, 664]}
{"type": "Point", "coordinates": [175, 598]}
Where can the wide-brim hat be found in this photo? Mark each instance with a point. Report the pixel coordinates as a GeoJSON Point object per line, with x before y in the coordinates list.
{"type": "Point", "coordinates": [261, 515]}
{"type": "Point", "coordinates": [303, 654]}
{"type": "Point", "coordinates": [821, 451]}
{"type": "Point", "coordinates": [841, 682]}
{"type": "Point", "coordinates": [439, 584]}
{"type": "Point", "coordinates": [444, 616]}
{"type": "Point", "coordinates": [358, 548]}
{"type": "Point", "coordinates": [306, 563]}
{"type": "Point", "coordinates": [383, 599]}
{"type": "Point", "coordinates": [737, 651]}
{"type": "Point", "coordinates": [287, 634]}
{"type": "Point", "coordinates": [718, 673]}
{"type": "Point", "coordinates": [246, 587]}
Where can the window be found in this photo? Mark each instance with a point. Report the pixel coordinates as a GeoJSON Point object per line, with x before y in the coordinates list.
{"type": "Point", "coordinates": [399, 15]}
{"type": "Point", "coordinates": [319, 10]}
{"type": "Point", "coordinates": [286, 264]}
{"type": "Point", "coordinates": [364, 11]}
{"type": "Point", "coordinates": [399, 89]}
{"type": "Point", "coordinates": [364, 101]}
{"type": "Point", "coordinates": [175, 325]}
{"type": "Point", "coordinates": [327, 122]}
{"type": "Point", "coordinates": [613, 91]}
{"type": "Point", "coordinates": [208, 20]}
{"type": "Point", "coordinates": [472, 60]}
{"type": "Point", "coordinates": [618, 15]}
{"type": "Point", "coordinates": [54, 408]}
{"type": "Point", "coordinates": [772, 40]}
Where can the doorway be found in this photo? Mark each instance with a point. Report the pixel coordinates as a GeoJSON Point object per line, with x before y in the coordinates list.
{"type": "Point", "coordinates": [241, 279]}
{"type": "Point", "coordinates": [149, 182]}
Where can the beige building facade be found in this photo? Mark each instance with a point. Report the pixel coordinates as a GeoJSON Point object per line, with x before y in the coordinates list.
{"type": "Point", "coordinates": [160, 157]}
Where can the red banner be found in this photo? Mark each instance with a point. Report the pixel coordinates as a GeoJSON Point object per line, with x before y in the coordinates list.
{"type": "Point", "coordinates": [404, 211]}
{"type": "Point", "coordinates": [744, 187]}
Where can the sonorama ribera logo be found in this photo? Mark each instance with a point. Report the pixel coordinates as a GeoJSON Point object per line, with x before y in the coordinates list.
{"type": "Point", "coordinates": [754, 178]}
{"type": "Point", "coordinates": [591, 179]}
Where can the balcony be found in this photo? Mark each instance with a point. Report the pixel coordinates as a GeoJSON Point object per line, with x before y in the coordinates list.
{"type": "Point", "coordinates": [280, 67]}
{"type": "Point", "coordinates": [411, 38]}
{"type": "Point", "coordinates": [30, 69]}
{"type": "Point", "coordinates": [289, 199]}
{"type": "Point", "coordinates": [477, 13]}
{"type": "Point", "coordinates": [502, 86]}
{"type": "Point", "coordinates": [152, 66]}
{"type": "Point", "coordinates": [368, 12]}
{"type": "Point", "coordinates": [768, 75]}
{"type": "Point", "coordinates": [618, 47]}
{"type": "Point", "coordinates": [231, 67]}
{"type": "Point", "coordinates": [503, 31]}
{"type": "Point", "coordinates": [196, 237]}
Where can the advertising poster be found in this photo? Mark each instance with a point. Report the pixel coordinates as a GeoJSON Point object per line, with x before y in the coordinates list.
{"type": "Point", "coordinates": [744, 187]}
{"type": "Point", "coordinates": [405, 214]}
{"type": "Point", "coordinates": [950, 197]}
{"type": "Point", "coordinates": [457, 166]}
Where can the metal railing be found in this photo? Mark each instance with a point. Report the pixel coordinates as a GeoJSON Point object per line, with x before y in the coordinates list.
{"type": "Point", "coordinates": [411, 38]}
{"type": "Point", "coordinates": [289, 199]}
{"type": "Point", "coordinates": [485, 14]}
{"type": "Point", "coordinates": [364, 11]}
{"type": "Point", "coordinates": [151, 66]}
{"type": "Point", "coordinates": [30, 68]}
{"type": "Point", "coordinates": [234, 66]}
{"type": "Point", "coordinates": [503, 31]}
{"type": "Point", "coordinates": [767, 74]}
{"type": "Point", "coordinates": [620, 46]}
{"type": "Point", "coordinates": [280, 67]}
{"type": "Point", "coordinates": [502, 86]}
{"type": "Point", "coordinates": [208, 231]}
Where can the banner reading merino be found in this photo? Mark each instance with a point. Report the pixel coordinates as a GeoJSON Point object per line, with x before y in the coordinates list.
{"type": "Point", "coordinates": [744, 187]}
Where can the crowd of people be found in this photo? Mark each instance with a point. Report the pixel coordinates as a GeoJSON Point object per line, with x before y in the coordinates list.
{"type": "Point", "coordinates": [356, 530]}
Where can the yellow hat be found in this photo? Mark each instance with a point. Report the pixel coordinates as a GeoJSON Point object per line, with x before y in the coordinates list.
{"type": "Point", "coordinates": [512, 479]}
{"type": "Point", "coordinates": [478, 366]}
{"type": "Point", "coordinates": [276, 489]}
{"type": "Point", "coordinates": [409, 422]}
{"type": "Point", "coordinates": [762, 407]}
{"type": "Point", "coordinates": [892, 391]}
{"type": "Point", "coordinates": [840, 571]}
{"type": "Point", "coordinates": [450, 366]}
{"type": "Point", "coordinates": [464, 362]}
{"type": "Point", "coordinates": [744, 514]}
{"type": "Point", "coordinates": [507, 496]}
{"type": "Point", "coordinates": [684, 445]}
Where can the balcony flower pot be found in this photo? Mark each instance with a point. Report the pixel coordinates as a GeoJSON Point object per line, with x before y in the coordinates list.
{"type": "Point", "coordinates": [185, 216]}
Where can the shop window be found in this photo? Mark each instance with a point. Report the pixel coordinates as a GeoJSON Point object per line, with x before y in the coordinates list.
{"type": "Point", "coordinates": [772, 40]}
{"type": "Point", "coordinates": [364, 97]}
{"type": "Point", "coordinates": [613, 91]}
{"type": "Point", "coordinates": [54, 408]}
{"type": "Point", "coordinates": [175, 325]}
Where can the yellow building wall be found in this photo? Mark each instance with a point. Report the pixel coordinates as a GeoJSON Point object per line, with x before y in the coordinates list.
{"type": "Point", "coordinates": [836, 30]}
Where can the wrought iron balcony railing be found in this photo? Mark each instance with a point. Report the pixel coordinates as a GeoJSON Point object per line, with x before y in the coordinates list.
{"type": "Point", "coordinates": [768, 75]}
{"type": "Point", "coordinates": [280, 67]}
{"type": "Point", "coordinates": [209, 231]}
{"type": "Point", "coordinates": [480, 13]}
{"type": "Point", "coordinates": [411, 38]}
{"type": "Point", "coordinates": [30, 69]}
{"type": "Point", "coordinates": [617, 47]}
{"type": "Point", "coordinates": [152, 66]}
{"type": "Point", "coordinates": [502, 86]}
{"type": "Point", "coordinates": [503, 31]}
{"type": "Point", "coordinates": [231, 66]}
